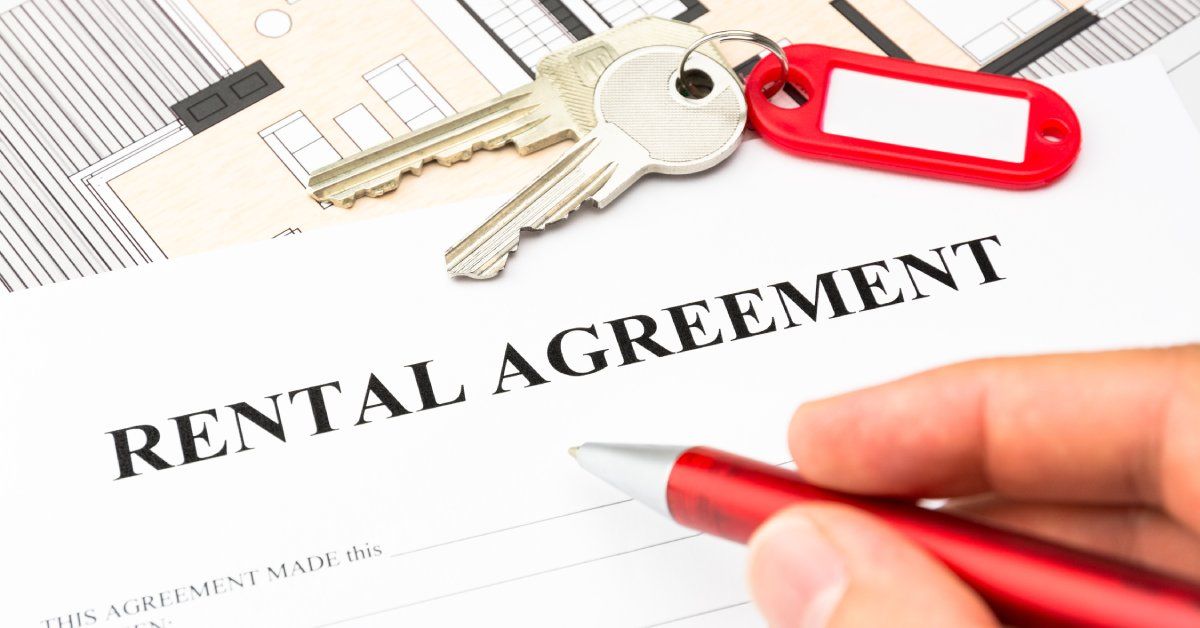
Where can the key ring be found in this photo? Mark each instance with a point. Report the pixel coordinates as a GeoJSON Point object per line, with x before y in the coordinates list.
{"type": "Point", "coordinates": [736, 35]}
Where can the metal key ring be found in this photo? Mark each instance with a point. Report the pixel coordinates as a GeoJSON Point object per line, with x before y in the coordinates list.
{"type": "Point", "coordinates": [737, 35]}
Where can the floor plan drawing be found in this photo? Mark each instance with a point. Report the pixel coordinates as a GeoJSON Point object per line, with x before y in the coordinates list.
{"type": "Point", "coordinates": [87, 91]}
{"type": "Point", "coordinates": [408, 93]}
{"type": "Point", "coordinates": [364, 130]}
{"type": "Point", "coordinates": [133, 131]}
{"type": "Point", "coordinates": [984, 30]}
{"type": "Point", "coordinates": [299, 145]}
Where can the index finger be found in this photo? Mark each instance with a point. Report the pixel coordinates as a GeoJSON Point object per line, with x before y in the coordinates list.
{"type": "Point", "coordinates": [1112, 427]}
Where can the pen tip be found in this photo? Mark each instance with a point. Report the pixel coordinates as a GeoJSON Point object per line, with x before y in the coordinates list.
{"type": "Point", "coordinates": [574, 451]}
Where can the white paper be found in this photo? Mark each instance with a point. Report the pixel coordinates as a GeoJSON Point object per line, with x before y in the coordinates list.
{"type": "Point", "coordinates": [1180, 54]}
{"type": "Point", "coordinates": [478, 514]}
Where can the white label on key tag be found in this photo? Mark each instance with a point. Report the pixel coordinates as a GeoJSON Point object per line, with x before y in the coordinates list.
{"type": "Point", "coordinates": [882, 109]}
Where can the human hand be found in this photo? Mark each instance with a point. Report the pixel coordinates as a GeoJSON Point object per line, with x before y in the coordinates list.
{"type": "Point", "coordinates": [1097, 451]}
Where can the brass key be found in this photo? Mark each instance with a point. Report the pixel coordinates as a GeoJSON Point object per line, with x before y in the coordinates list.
{"type": "Point", "coordinates": [556, 106]}
{"type": "Point", "coordinates": [645, 125]}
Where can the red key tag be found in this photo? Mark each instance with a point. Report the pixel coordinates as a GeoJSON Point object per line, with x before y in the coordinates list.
{"type": "Point", "coordinates": [915, 118]}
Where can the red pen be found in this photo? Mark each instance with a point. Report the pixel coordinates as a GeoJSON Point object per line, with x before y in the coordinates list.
{"type": "Point", "coordinates": [1025, 580]}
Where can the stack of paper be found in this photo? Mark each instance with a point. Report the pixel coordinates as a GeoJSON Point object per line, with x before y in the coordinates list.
{"type": "Point", "coordinates": [328, 431]}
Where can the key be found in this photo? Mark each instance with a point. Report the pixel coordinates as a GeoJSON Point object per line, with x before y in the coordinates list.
{"type": "Point", "coordinates": [644, 124]}
{"type": "Point", "coordinates": [556, 106]}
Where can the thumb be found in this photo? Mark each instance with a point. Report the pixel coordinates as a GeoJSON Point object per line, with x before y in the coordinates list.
{"type": "Point", "coordinates": [831, 565]}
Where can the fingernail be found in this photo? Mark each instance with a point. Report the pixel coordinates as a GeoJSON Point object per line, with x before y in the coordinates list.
{"type": "Point", "coordinates": [797, 576]}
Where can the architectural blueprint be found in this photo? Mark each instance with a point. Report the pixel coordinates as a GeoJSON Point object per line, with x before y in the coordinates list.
{"type": "Point", "coordinates": [136, 130]}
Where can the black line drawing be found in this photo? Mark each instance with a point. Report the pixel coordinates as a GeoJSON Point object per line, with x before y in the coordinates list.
{"type": "Point", "coordinates": [85, 94]}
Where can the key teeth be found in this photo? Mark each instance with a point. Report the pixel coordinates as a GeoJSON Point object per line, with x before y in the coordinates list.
{"type": "Point", "coordinates": [465, 153]}
{"type": "Point", "coordinates": [375, 191]}
{"type": "Point", "coordinates": [450, 160]}
{"type": "Point", "coordinates": [346, 197]}
{"type": "Point", "coordinates": [497, 264]}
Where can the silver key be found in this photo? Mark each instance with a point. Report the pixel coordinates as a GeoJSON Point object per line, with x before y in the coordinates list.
{"type": "Point", "coordinates": [556, 106]}
{"type": "Point", "coordinates": [644, 124]}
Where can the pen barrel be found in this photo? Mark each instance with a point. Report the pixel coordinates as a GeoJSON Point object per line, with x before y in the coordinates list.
{"type": "Point", "coordinates": [1025, 580]}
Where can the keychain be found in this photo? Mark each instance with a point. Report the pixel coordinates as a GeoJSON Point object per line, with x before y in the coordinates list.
{"type": "Point", "coordinates": [883, 113]}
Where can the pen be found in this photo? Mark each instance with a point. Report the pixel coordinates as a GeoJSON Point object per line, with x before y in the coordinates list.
{"type": "Point", "coordinates": [1024, 580]}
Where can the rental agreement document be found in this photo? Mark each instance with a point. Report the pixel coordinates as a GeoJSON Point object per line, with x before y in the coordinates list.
{"type": "Point", "coordinates": [328, 431]}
